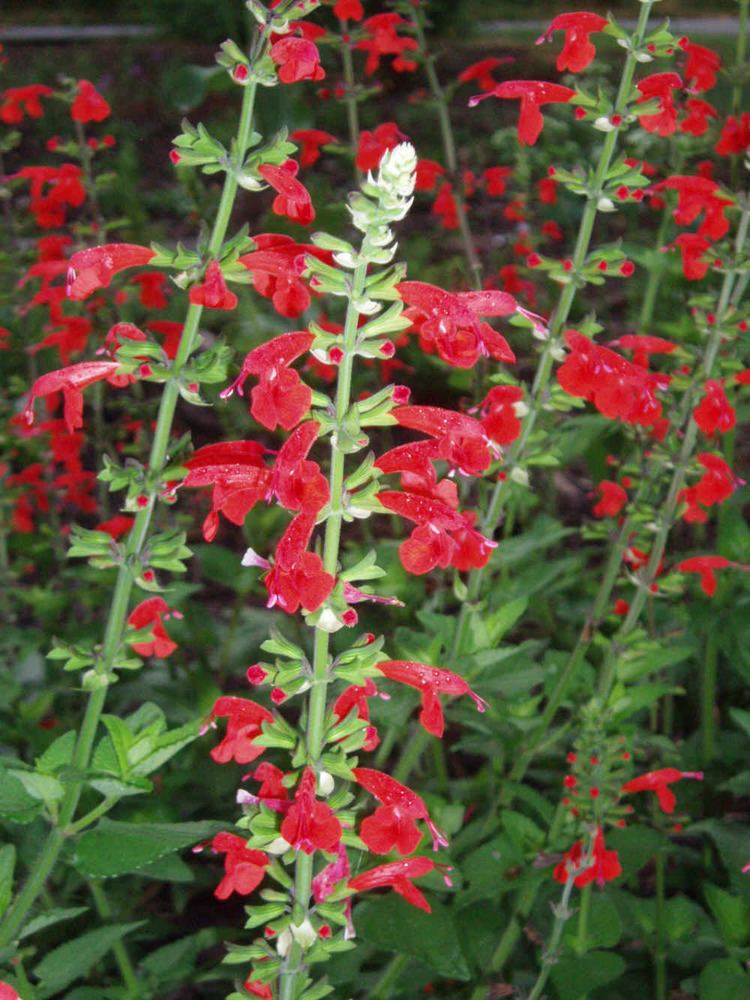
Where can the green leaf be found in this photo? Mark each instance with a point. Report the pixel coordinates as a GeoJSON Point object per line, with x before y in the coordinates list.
{"type": "Point", "coordinates": [15, 802]}
{"type": "Point", "coordinates": [58, 754]}
{"type": "Point", "coordinates": [732, 914]}
{"type": "Point", "coordinates": [114, 848]}
{"type": "Point", "coordinates": [579, 976]}
{"type": "Point", "coordinates": [50, 918]}
{"type": "Point", "coordinates": [604, 925]}
{"type": "Point", "coordinates": [73, 960]}
{"type": "Point", "coordinates": [40, 786]}
{"type": "Point", "coordinates": [723, 979]}
{"type": "Point", "coordinates": [7, 866]}
{"type": "Point", "coordinates": [392, 924]}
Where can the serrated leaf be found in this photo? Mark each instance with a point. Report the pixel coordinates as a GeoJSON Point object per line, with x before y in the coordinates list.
{"type": "Point", "coordinates": [114, 848]}
{"type": "Point", "coordinates": [50, 918]}
{"type": "Point", "coordinates": [72, 960]}
{"type": "Point", "coordinates": [7, 867]}
{"type": "Point", "coordinates": [579, 976]}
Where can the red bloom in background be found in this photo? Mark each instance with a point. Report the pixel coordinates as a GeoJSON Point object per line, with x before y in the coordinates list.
{"type": "Point", "coordinates": [15, 102]}
{"type": "Point", "coordinates": [499, 417]}
{"type": "Point", "coordinates": [297, 59]}
{"type": "Point", "coordinates": [311, 139]}
{"type": "Point", "coordinates": [280, 396]}
{"type": "Point", "coordinates": [239, 477]}
{"type": "Point", "coordinates": [706, 567]}
{"type": "Point", "coordinates": [693, 249]}
{"type": "Point", "coordinates": [373, 144]}
{"type": "Point", "coordinates": [356, 696]}
{"type": "Point", "coordinates": [450, 322]}
{"type": "Point", "coordinates": [310, 825]}
{"type": "Point", "coordinates": [495, 180]}
{"type": "Point", "coordinates": [714, 414]}
{"type": "Point", "coordinates": [604, 866]}
{"type": "Point", "coordinates": [297, 482]}
{"type": "Point", "coordinates": [153, 612]}
{"type": "Point", "coordinates": [660, 87]}
{"type": "Point", "coordinates": [153, 286]}
{"type": "Point", "coordinates": [116, 526]}
{"type": "Point", "coordinates": [701, 66]}
{"type": "Point", "coordinates": [213, 292]}
{"type": "Point", "coordinates": [393, 825]}
{"type": "Point", "coordinates": [533, 94]}
{"type": "Point", "coordinates": [92, 269]}
{"type": "Point", "coordinates": [735, 136]}
{"type": "Point", "coordinates": [659, 782]}
{"type": "Point", "coordinates": [697, 194]}
{"type": "Point", "coordinates": [89, 105]}
{"type": "Point", "coordinates": [698, 113]}
{"type": "Point", "coordinates": [243, 868]}
{"type": "Point", "coordinates": [643, 346]}
{"type": "Point", "coordinates": [397, 875]}
{"type": "Point", "coordinates": [63, 187]}
{"type": "Point", "coordinates": [445, 208]}
{"type": "Point", "coordinates": [297, 576]}
{"type": "Point", "coordinates": [428, 172]}
{"type": "Point", "coordinates": [71, 337]}
{"type": "Point", "coordinates": [384, 40]}
{"type": "Point", "coordinates": [430, 682]}
{"type": "Point", "coordinates": [70, 382]}
{"type": "Point", "coordinates": [349, 10]}
{"type": "Point", "coordinates": [612, 499]}
{"type": "Point", "coordinates": [715, 486]}
{"type": "Point", "coordinates": [481, 72]}
{"type": "Point", "coordinates": [293, 199]}
{"type": "Point", "coordinates": [578, 51]}
{"type": "Point", "coordinates": [244, 724]}
{"type": "Point", "coordinates": [172, 333]}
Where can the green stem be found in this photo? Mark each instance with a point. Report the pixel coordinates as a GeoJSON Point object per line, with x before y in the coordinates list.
{"type": "Point", "coordinates": [583, 920]}
{"type": "Point", "coordinates": [655, 274]}
{"type": "Point", "coordinates": [118, 610]}
{"type": "Point", "coordinates": [563, 913]}
{"type": "Point", "coordinates": [124, 963]}
{"type": "Point", "coordinates": [92, 816]}
{"type": "Point", "coordinates": [293, 964]}
{"type": "Point", "coordinates": [86, 156]}
{"type": "Point", "coordinates": [391, 974]}
{"type": "Point", "coordinates": [708, 698]}
{"type": "Point", "coordinates": [660, 954]}
{"type": "Point", "coordinates": [350, 94]}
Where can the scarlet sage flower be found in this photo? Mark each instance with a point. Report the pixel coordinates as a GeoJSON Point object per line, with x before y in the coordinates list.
{"type": "Point", "coordinates": [659, 782]}
{"type": "Point", "coordinates": [276, 267]}
{"type": "Point", "coordinates": [245, 719]}
{"type": "Point", "coordinates": [243, 868]}
{"type": "Point", "coordinates": [349, 10]}
{"type": "Point", "coordinates": [89, 105]}
{"type": "Point", "coordinates": [714, 414]}
{"type": "Point", "coordinates": [297, 577]}
{"type": "Point", "coordinates": [297, 59]}
{"type": "Point", "coordinates": [659, 87]}
{"type": "Point", "coordinates": [695, 121]}
{"type": "Point", "coordinates": [92, 269]}
{"type": "Point", "coordinates": [701, 66]}
{"type": "Point", "coordinates": [430, 682]}
{"type": "Point", "coordinates": [578, 51]}
{"type": "Point", "coordinates": [116, 526]}
{"type": "Point", "coordinates": [643, 346]}
{"type": "Point", "coordinates": [298, 483]}
{"type": "Point", "coordinates": [612, 499]}
{"type": "Point", "coordinates": [152, 612]}
{"type": "Point", "coordinates": [293, 199]}
{"type": "Point", "coordinates": [257, 988]}
{"type": "Point", "coordinates": [239, 476]}
{"type": "Point", "coordinates": [71, 382]}
{"type": "Point", "coordinates": [397, 875]}
{"type": "Point", "coordinates": [714, 487]}
{"type": "Point", "coordinates": [311, 139]}
{"type": "Point", "coordinates": [213, 292]}
{"type": "Point", "coordinates": [706, 567]}
{"type": "Point", "coordinates": [384, 40]}
{"type": "Point", "coordinates": [604, 866]}
{"type": "Point", "coordinates": [481, 72]}
{"type": "Point", "coordinates": [372, 145]}
{"type": "Point", "coordinates": [415, 464]}
{"type": "Point", "coordinates": [445, 207]}
{"type": "Point", "coordinates": [16, 102]}
{"type": "Point", "coordinates": [499, 416]}
{"type": "Point", "coordinates": [393, 825]}
{"type": "Point", "coordinates": [357, 696]}
{"type": "Point", "coordinates": [533, 94]}
{"type": "Point", "coordinates": [153, 285]}
{"type": "Point", "coordinates": [693, 249]}
{"type": "Point", "coordinates": [495, 180]}
{"type": "Point", "coordinates": [697, 194]}
{"type": "Point", "coordinates": [428, 172]}
{"type": "Point", "coordinates": [735, 136]}
{"type": "Point", "coordinates": [280, 397]}
{"type": "Point", "coordinates": [462, 439]}
{"type": "Point", "coordinates": [310, 825]}
{"type": "Point", "coordinates": [8, 993]}
{"type": "Point", "coordinates": [451, 321]}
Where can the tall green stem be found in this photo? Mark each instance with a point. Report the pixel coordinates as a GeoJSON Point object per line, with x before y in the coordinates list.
{"type": "Point", "coordinates": [119, 950]}
{"type": "Point", "coordinates": [292, 968]}
{"type": "Point", "coordinates": [124, 583]}
{"type": "Point", "coordinates": [350, 94]}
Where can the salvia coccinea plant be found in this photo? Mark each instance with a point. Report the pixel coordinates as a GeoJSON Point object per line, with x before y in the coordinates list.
{"type": "Point", "coordinates": [321, 821]}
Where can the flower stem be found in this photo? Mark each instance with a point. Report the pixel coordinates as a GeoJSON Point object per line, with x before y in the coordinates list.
{"type": "Point", "coordinates": [563, 913]}
{"type": "Point", "coordinates": [119, 950]}
{"type": "Point", "coordinates": [660, 955]}
{"type": "Point", "coordinates": [118, 610]}
{"type": "Point", "coordinates": [350, 96]}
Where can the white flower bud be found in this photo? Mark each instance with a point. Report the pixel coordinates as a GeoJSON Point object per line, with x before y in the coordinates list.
{"type": "Point", "coordinates": [643, 57]}
{"type": "Point", "coordinates": [329, 621]}
{"type": "Point", "coordinates": [325, 783]}
{"type": "Point", "coordinates": [304, 934]}
{"type": "Point", "coordinates": [558, 353]}
{"type": "Point", "coordinates": [278, 846]}
{"type": "Point", "coordinates": [603, 124]}
{"type": "Point", "coordinates": [520, 408]}
{"type": "Point", "coordinates": [519, 476]}
{"type": "Point", "coordinates": [284, 942]}
{"type": "Point", "coordinates": [605, 205]}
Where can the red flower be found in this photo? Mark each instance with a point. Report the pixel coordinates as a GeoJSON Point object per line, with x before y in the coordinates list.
{"type": "Point", "coordinates": [297, 59]}
{"type": "Point", "coordinates": [604, 865]}
{"type": "Point", "coordinates": [153, 285]}
{"type": "Point", "coordinates": [714, 413]}
{"type": "Point", "coordinates": [297, 576]}
{"type": "Point", "coordinates": [428, 172]}
{"type": "Point", "coordinates": [706, 567]}
{"type": "Point", "coordinates": [393, 826]}
{"type": "Point", "coordinates": [495, 180]}
{"type": "Point", "coordinates": [310, 825]}
{"type": "Point", "coordinates": [735, 136]}
{"type": "Point", "coordinates": [213, 292]}
{"type": "Point", "coordinates": [693, 249]}
{"type": "Point", "coordinates": [532, 94]}
{"type": "Point", "coordinates": [499, 417]}
{"type": "Point", "coordinates": [257, 988]}
{"type": "Point", "coordinates": [238, 475]}
{"type": "Point", "coordinates": [578, 51]}
{"type": "Point", "coordinates": [659, 782]}
{"type": "Point", "coordinates": [701, 66]}
{"type": "Point", "coordinates": [243, 869]}
{"type": "Point", "coordinates": [613, 499]}
{"type": "Point", "coordinates": [92, 269]}
{"type": "Point", "coordinates": [698, 113]}
{"type": "Point", "coordinates": [152, 612]}
{"type": "Point", "coordinates": [482, 72]}
{"type": "Point", "coordinates": [384, 40]}
{"type": "Point", "coordinates": [8, 993]}
{"type": "Point", "coordinates": [349, 10]}
{"type": "Point", "coordinates": [280, 396]}
{"type": "Point", "coordinates": [244, 724]}
{"type": "Point", "coordinates": [659, 86]}
{"type": "Point", "coordinates": [695, 195]}
{"type": "Point", "coordinates": [64, 188]}
{"type": "Point", "coordinates": [15, 102]}
{"type": "Point", "coordinates": [298, 483]}
{"type": "Point", "coordinates": [415, 463]}
{"type": "Point", "coordinates": [450, 322]}
{"type": "Point", "coordinates": [311, 140]}
{"type": "Point", "coordinates": [356, 696]}
{"type": "Point", "coordinates": [116, 526]}
{"type": "Point", "coordinates": [431, 682]}
{"type": "Point", "coordinates": [71, 382]}
{"type": "Point", "coordinates": [89, 105]}
{"type": "Point", "coordinates": [373, 144]}
{"type": "Point", "coordinates": [715, 486]}
{"type": "Point", "coordinates": [643, 346]}
{"type": "Point", "coordinates": [397, 875]}
{"type": "Point", "coordinates": [276, 267]}
{"type": "Point", "coordinates": [293, 199]}
{"type": "Point", "coordinates": [445, 208]}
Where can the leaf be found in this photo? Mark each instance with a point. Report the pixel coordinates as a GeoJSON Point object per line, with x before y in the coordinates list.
{"type": "Point", "coordinates": [635, 845]}
{"type": "Point", "coordinates": [392, 924]}
{"type": "Point", "coordinates": [723, 979]}
{"type": "Point", "coordinates": [73, 960]}
{"type": "Point", "coordinates": [604, 925]}
{"type": "Point", "coordinates": [579, 976]}
{"type": "Point", "coordinates": [113, 848]}
{"type": "Point", "coordinates": [51, 917]}
{"type": "Point", "coordinates": [731, 913]}
{"type": "Point", "coordinates": [7, 866]}
{"type": "Point", "coordinates": [15, 801]}
{"type": "Point", "coordinates": [501, 621]}
{"type": "Point", "coordinates": [58, 754]}
{"type": "Point", "coordinates": [40, 786]}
